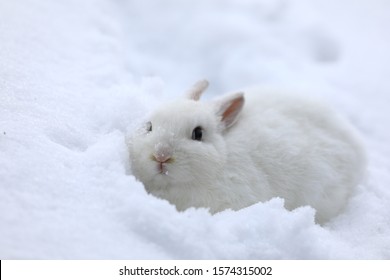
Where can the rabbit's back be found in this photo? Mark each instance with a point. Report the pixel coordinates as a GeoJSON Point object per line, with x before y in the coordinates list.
{"type": "Point", "coordinates": [297, 149]}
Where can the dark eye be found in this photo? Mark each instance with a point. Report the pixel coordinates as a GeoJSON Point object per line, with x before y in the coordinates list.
{"type": "Point", "coordinates": [197, 133]}
{"type": "Point", "coordinates": [149, 126]}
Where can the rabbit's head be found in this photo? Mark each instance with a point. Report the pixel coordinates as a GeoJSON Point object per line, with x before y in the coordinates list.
{"type": "Point", "coordinates": [182, 144]}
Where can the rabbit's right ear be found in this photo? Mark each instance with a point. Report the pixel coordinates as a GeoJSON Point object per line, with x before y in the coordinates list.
{"type": "Point", "coordinates": [229, 108]}
{"type": "Point", "coordinates": [197, 89]}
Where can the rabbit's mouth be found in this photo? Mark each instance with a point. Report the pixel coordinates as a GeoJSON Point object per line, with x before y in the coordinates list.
{"type": "Point", "coordinates": [162, 162]}
{"type": "Point", "coordinates": [162, 168]}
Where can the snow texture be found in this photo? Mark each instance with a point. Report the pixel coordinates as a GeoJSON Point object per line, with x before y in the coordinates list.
{"type": "Point", "coordinates": [77, 76]}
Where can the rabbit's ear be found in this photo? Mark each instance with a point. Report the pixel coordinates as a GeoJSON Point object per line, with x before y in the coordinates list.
{"type": "Point", "coordinates": [197, 89]}
{"type": "Point", "coordinates": [229, 108]}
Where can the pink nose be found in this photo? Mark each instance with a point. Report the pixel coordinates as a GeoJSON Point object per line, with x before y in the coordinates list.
{"type": "Point", "coordinates": [162, 153]}
{"type": "Point", "coordinates": [161, 157]}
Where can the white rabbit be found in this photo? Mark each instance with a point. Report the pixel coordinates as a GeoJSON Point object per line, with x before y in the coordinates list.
{"type": "Point", "coordinates": [223, 154]}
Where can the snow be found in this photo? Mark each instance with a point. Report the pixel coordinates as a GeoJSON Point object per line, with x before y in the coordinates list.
{"type": "Point", "coordinates": [77, 76]}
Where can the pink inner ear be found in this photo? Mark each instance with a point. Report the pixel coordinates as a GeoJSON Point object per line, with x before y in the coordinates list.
{"type": "Point", "coordinates": [232, 108]}
{"type": "Point", "coordinates": [229, 116]}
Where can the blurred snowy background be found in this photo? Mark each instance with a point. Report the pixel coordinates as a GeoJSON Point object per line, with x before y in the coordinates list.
{"type": "Point", "coordinates": [77, 75]}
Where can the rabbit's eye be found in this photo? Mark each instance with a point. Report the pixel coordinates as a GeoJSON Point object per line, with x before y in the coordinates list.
{"type": "Point", "coordinates": [197, 133]}
{"type": "Point", "coordinates": [149, 126]}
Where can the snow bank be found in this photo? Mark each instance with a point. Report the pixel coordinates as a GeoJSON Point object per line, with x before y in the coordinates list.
{"type": "Point", "coordinates": [77, 76]}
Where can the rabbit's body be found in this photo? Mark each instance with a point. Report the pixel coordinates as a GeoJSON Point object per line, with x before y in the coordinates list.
{"type": "Point", "coordinates": [273, 146]}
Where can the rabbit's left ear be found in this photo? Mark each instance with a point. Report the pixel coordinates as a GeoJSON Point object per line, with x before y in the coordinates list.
{"type": "Point", "coordinates": [229, 108]}
{"type": "Point", "coordinates": [197, 89]}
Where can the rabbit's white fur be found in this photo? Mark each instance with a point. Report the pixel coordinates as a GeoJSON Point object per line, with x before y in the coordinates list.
{"type": "Point", "coordinates": [275, 145]}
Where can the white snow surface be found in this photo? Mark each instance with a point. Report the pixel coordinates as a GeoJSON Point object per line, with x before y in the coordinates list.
{"type": "Point", "coordinates": [77, 76]}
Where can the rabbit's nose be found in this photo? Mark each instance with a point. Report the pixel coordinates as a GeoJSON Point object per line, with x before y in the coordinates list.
{"type": "Point", "coordinates": [161, 157]}
{"type": "Point", "coordinates": [163, 153]}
